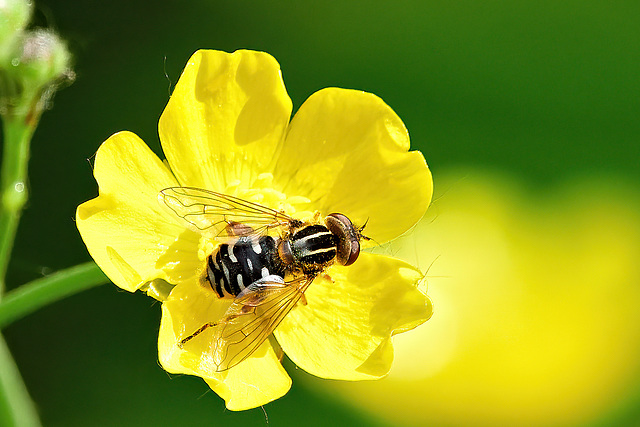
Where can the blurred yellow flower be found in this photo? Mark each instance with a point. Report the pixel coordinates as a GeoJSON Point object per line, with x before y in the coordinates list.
{"type": "Point", "coordinates": [537, 308]}
{"type": "Point", "coordinates": [226, 128]}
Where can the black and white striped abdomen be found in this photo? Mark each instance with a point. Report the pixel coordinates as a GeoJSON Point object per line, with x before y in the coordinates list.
{"type": "Point", "coordinates": [236, 265]}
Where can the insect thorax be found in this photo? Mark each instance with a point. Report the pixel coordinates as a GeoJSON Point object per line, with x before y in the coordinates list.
{"type": "Point", "coordinates": [313, 247]}
{"type": "Point", "coordinates": [235, 266]}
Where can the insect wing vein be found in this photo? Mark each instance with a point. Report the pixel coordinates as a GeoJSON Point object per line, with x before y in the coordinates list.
{"type": "Point", "coordinates": [252, 317]}
{"type": "Point", "coordinates": [210, 211]}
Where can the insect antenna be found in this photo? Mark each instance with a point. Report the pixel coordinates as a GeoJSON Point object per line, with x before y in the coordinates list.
{"type": "Point", "coordinates": [362, 236]}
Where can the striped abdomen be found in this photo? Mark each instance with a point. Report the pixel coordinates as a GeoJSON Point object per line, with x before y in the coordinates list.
{"type": "Point", "coordinates": [235, 266]}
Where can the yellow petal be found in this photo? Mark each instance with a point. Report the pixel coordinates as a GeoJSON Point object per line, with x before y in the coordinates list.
{"type": "Point", "coordinates": [347, 151]}
{"type": "Point", "coordinates": [125, 229]}
{"type": "Point", "coordinates": [254, 382]}
{"type": "Point", "coordinates": [344, 331]}
{"type": "Point", "coordinates": [225, 118]}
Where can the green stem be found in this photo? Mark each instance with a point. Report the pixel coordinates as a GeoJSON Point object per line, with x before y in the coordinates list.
{"type": "Point", "coordinates": [36, 294]}
{"type": "Point", "coordinates": [16, 406]}
{"type": "Point", "coordinates": [18, 130]}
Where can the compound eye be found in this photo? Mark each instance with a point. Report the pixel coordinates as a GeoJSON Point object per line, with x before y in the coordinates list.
{"type": "Point", "coordinates": [348, 247]}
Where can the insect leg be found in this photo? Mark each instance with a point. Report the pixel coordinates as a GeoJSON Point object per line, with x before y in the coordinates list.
{"type": "Point", "coordinates": [196, 333]}
{"type": "Point", "coordinates": [326, 276]}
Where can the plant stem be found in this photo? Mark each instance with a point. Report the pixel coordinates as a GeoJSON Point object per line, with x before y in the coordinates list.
{"type": "Point", "coordinates": [33, 295]}
{"type": "Point", "coordinates": [16, 406]}
{"type": "Point", "coordinates": [18, 130]}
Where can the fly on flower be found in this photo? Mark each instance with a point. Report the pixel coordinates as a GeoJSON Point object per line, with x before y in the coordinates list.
{"type": "Point", "coordinates": [228, 127]}
{"type": "Point", "coordinates": [267, 262]}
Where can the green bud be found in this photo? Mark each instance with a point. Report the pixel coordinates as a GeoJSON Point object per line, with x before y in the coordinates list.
{"type": "Point", "coordinates": [39, 63]}
{"type": "Point", "coordinates": [14, 17]}
{"type": "Point", "coordinates": [44, 58]}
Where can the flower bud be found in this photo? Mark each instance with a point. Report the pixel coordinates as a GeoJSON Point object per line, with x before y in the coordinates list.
{"type": "Point", "coordinates": [39, 63]}
{"type": "Point", "coordinates": [14, 16]}
{"type": "Point", "coordinates": [43, 58]}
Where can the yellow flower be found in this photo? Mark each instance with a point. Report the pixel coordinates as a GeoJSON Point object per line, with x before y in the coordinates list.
{"type": "Point", "coordinates": [226, 128]}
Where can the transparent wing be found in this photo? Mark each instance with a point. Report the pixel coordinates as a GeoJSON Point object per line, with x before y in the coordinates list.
{"type": "Point", "coordinates": [221, 214]}
{"type": "Point", "coordinates": [252, 317]}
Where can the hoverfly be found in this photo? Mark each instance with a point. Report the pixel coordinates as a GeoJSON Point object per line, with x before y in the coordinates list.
{"type": "Point", "coordinates": [265, 276]}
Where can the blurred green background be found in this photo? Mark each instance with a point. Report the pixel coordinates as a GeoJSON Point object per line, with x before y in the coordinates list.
{"type": "Point", "coordinates": [541, 91]}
